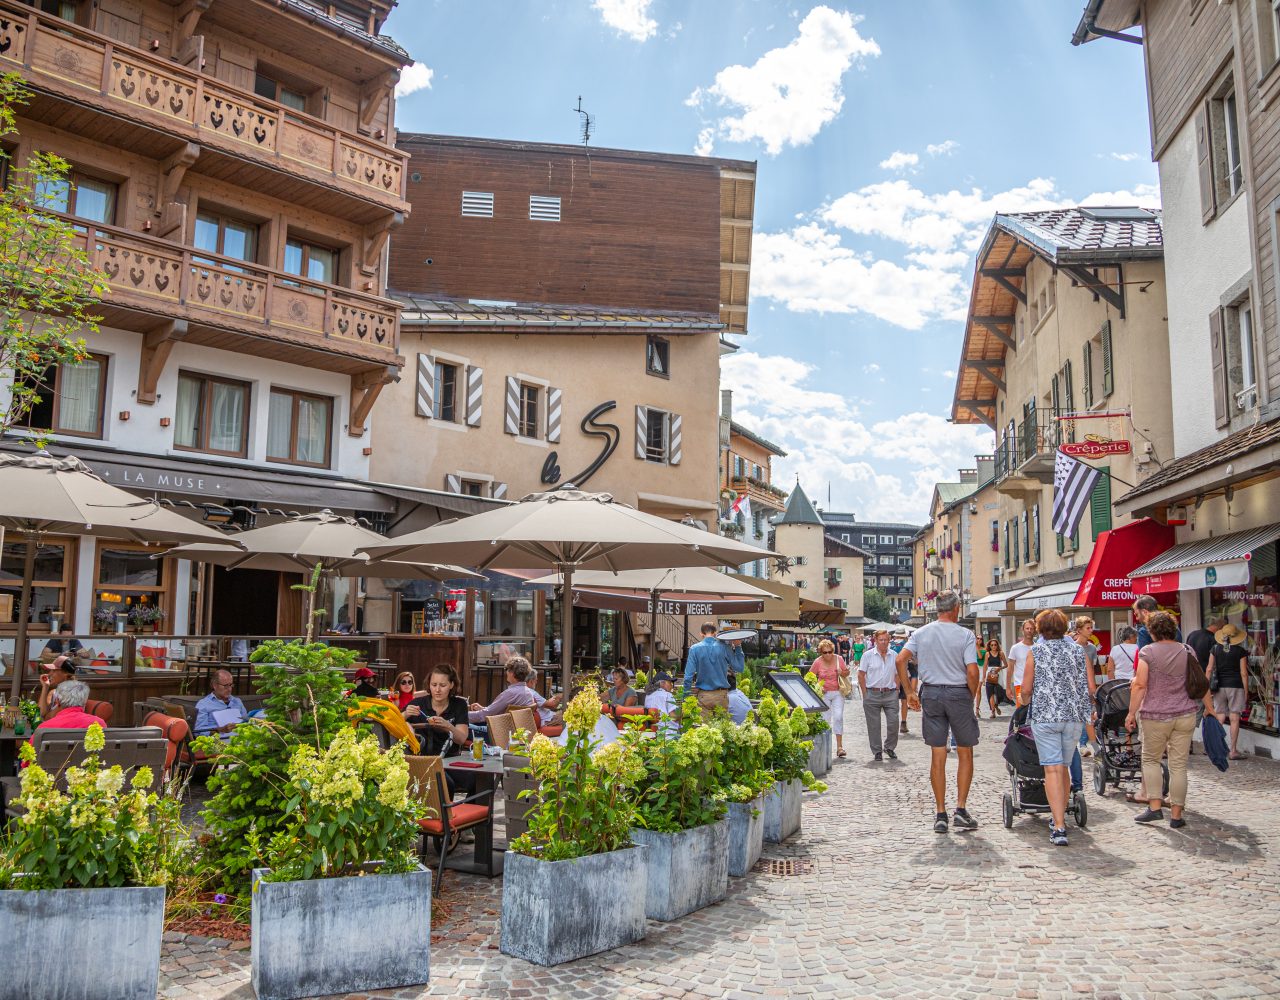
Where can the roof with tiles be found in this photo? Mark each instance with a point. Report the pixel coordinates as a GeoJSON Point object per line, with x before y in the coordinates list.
{"type": "Point", "coordinates": [1238, 444]}
{"type": "Point", "coordinates": [1076, 233]}
{"type": "Point", "coordinates": [799, 510]}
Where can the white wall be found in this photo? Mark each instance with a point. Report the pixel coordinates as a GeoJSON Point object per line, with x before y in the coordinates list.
{"type": "Point", "coordinates": [1201, 262]}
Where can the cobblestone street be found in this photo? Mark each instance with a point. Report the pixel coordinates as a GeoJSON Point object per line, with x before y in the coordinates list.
{"type": "Point", "coordinates": [884, 907]}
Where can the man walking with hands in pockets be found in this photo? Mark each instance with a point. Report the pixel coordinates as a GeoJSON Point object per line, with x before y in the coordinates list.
{"type": "Point", "coordinates": [948, 676]}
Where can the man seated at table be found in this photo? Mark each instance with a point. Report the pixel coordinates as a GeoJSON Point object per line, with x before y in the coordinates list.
{"type": "Point", "coordinates": [365, 687]}
{"type": "Point", "coordinates": [69, 646]}
{"type": "Point", "coordinates": [517, 693]}
{"type": "Point", "coordinates": [739, 703]}
{"type": "Point", "coordinates": [219, 712]}
{"type": "Point", "coordinates": [51, 675]}
{"type": "Point", "coordinates": [69, 699]}
{"type": "Point", "coordinates": [664, 701]}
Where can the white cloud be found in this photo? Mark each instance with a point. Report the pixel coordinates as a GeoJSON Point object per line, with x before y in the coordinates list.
{"type": "Point", "coordinates": [899, 160]}
{"type": "Point", "coordinates": [950, 373]}
{"type": "Point", "coordinates": [944, 148]}
{"type": "Point", "coordinates": [791, 92]}
{"type": "Point", "coordinates": [885, 471]}
{"type": "Point", "coordinates": [628, 17]}
{"type": "Point", "coordinates": [869, 369]}
{"type": "Point", "coordinates": [1125, 157]}
{"type": "Point", "coordinates": [413, 78]}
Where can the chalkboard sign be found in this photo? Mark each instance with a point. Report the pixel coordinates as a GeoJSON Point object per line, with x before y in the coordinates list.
{"type": "Point", "coordinates": [433, 608]}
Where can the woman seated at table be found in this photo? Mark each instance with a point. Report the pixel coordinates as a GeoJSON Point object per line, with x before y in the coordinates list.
{"type": "Point", "coordinates": [517, 693]}
{"type": "Point", "coordinates": [439, 715]}
{"type": "Point", "coordinates": [404, 690]}
{"type": "Point", "coordinates": [622, 694]}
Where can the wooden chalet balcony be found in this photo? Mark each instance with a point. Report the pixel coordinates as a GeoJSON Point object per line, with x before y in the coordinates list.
{"type": "Point", "coordinates": [82, 66]}
{"type": "Point", "coordinates": [228, 303]}
{"type": "Point", "coordinates": [757, 492]}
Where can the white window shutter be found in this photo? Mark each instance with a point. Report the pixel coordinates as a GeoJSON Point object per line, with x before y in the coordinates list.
{"type": "Point", "coordinates": [674, 443]}
{"type": "Point", "coordinates": [499, 491]}
{"type": "Point", "coordinates": [425, 402]}
{"type": "Point", "coordinates": [553, 415]}
{"type": "Point", "coordinates": [452, 484]}
{"type": "Point", "coordinates": [475, 394]}
{"type": "Point", "coordinates": [642, 431]}
{"type": "Point", "coordinates": [511, 418]}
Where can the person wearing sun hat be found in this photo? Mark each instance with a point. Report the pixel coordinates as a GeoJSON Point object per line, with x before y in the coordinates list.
{"type": "Point", "coordinates": [1229, 678]}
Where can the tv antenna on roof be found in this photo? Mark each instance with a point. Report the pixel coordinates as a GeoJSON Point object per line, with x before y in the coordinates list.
{"type": "Point", "coordinates": [588, 122]}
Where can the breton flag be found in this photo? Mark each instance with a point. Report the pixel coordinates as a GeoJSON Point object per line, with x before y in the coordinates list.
{"type": "Point", "coordinates": [1073, 483]}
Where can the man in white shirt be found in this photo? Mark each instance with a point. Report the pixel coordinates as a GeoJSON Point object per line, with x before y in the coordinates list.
{"type": "Point", "coordinates": [878, 681]}
{"type": "Point", "coordinates": [1018, 660]}
{"type": "Point", "coordinates": [662, 699]}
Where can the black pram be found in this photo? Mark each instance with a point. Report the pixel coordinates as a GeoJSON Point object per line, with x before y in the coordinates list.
{"type": "Point", "coordinates": [1026, 776]}
{"type": "Point", "coordinates": [1119, 751]}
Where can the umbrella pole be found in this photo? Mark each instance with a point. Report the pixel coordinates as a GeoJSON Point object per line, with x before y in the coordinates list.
{"type": "Point", "coordinates": [653, 634]}
{"type": "Point", "coordinates": [24, 609]}
{"type": "Point", "coordinates": [566, 630]}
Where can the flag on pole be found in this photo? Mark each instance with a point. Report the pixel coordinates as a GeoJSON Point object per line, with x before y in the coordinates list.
{"type": "Point", "coordinates": [1073, 483]}
{"type": "Point", "coordinates": [742, 506]}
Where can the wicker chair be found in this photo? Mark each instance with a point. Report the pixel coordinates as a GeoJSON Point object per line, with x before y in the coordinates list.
{"type": "Point", "coordinates": [526, 719]}
{"type": "Point", "coordinates": [427, 784]}
{"type": "Point", "coordinates": [500, 729]}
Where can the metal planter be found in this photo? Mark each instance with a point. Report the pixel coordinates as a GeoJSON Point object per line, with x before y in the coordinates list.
{"type": "Point", "coordinates": [746, 835]}
{"type": "Point", "coordinates": [687, 870]}
{"type": "Point", "coordinates": [82, 944]}
{"type": "Point", "coordinates": [558, 911]}
{"type": "Point", "coordinates": [782, 810]}
{"type": "Point", "coordinates": [821, 753]}
{"type": "Point", "coordinates": [306, 935]}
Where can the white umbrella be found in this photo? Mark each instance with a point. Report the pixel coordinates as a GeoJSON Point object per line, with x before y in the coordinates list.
{"type": "Point", "coordinates": [567, 530]}
{"type": "Point", "coordinates": [40, 494]}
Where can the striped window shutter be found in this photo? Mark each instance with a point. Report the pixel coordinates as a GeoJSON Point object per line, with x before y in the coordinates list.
{"type": "Point", "coordinates": [498, 491]}
{"type": "Point", "coordinates": [452, 484]}
{"type": "Point", "coordinates": [675, 446]}
{"type": "Point", "coordinates": [1108, 376]}
{"type": "Point", "coordinates": [642, 431]}
{"type": "Point", "coordinates": [1088, 374]}
{"type": "Point", "coordinates": [425, 401]}
{"type": "Point", "coordinates": [1100, 505]}
{"type": "Point", "coordinates": [475, 395]}
{"type": "Point", "coordinates": [553, 415]}
{"type": "Point", "coordinates": [511, 417]}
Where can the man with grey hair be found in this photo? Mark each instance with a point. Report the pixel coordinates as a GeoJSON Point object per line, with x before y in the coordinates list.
{"type": "Point", "coordinates": [69, 699]}
{"type": "Point", "coordinates": [947, 658]}
{"type": "Point", "coordinates": [220, 711]}
{"type": "Point", "coordinates": [878, 681]}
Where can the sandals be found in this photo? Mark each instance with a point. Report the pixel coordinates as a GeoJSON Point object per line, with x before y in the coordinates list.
{"type": "Point", "coordinates": [841, 753]}
{"type": "Point", "coordinates": [1235, 755]}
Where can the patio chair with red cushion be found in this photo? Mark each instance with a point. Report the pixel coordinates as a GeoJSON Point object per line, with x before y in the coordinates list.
{"type": "Point", "coordinates": [104, 710]}
{"type": "Point", "coordinates": [446, 817]}
{"type": "Point", "coordinates": [633, 715]}
{"type": "Point", "coordinates": [177, 733]}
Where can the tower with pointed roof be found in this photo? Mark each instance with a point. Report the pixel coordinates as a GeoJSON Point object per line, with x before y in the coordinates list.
{"type": "Point", "coordinates": [798, 534]}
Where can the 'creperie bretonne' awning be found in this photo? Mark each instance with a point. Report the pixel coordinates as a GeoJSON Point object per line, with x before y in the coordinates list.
{"type": "Point", "coordinates": [1221, 561]}
{"type": "Point", "coordinates": [1106, 582]}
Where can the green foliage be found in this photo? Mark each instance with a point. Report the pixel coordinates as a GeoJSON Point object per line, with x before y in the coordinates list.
{"type": "Point", "coordinates": [815, 722]}
{"type": "Point", "coordinates": [30, 711]}
{"type": "Point", "coordinates": [47, 282]}
{"type": "Point", "coordinates": [349, 807]}
{"type": "Point", "coordinates": [682, 774]}
{"type": "Point", "coordinates": [586, 805]}
{"type": "Point", "coordinates": [876, 606]}
{"type": "Point", "coordinates": [788, 754]}
{"type": "Point", "coordinates": [744, 773]}
{"type": "Point", "coordinates": [100, 832]}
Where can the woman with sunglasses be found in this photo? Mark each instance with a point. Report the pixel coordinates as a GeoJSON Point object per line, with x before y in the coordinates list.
{"type": "Point", "coordinates": [404, 690]}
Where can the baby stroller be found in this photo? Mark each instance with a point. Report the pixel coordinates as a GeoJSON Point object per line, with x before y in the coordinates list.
{"type": "Point", "coordinates": [1119, 751]}
{"type": "Point", "coordinates": [1026, 776]}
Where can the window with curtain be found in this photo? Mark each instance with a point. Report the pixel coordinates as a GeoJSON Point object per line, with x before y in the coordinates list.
{"type": "Point", "coordinates": [80, 195]}
{"type": "Point", "coordinates": [71, 398]}
{"type": "Point", "coordinates": [212, 415]}
{"type": "Point", "coordinates": [309, 260]}
{"type": "Point", "coordinates": [298, 428]}
{"type": "Point", "coordinates": [226, 236]}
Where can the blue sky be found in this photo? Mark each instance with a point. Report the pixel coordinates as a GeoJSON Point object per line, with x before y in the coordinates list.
{"type": "Point", "coordinates": [886, 133]}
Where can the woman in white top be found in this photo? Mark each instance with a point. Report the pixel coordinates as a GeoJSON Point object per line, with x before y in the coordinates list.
{"type": "Point", "coordinates": [1124, 655]}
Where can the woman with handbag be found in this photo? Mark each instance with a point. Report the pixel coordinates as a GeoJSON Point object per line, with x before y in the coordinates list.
{"type": "Point", "coordinates": [831, 669]}
{"type": "Point", "coordinates": [1168, 683]}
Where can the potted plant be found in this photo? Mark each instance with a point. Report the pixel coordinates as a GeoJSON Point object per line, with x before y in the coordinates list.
{"type": "Point", "coordinates": [787, 757]}
{"type": "Point", "coordinates": [679, 817]}
{"type": "Point", "coordinates": [104, 618]}
{"type": "Point", "coordinates": [84, 871]}
{"type": "Point", "coordinates": [144, 616]}
{"type": "Point", "coordinates": [744, 779]}
{"type": "Point", "coordinates": [344, 864]}
{"type": "Point", "coordinates": [819, 732]}
{"type": "Point", "coordinates": [574, 884]}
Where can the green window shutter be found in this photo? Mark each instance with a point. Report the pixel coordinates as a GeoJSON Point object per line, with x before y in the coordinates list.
{"type": "Point", "coordinates": [1075, 540]}
{"type": "Point", "coordinates": [1108, 379]}
{"type": "Point", "coordinates": [1100, 505]}
{"type": "Point", "coordinates": [1088, 374]}
{"type": "Point", "coordinates": [1061, 544]}
{"type": "Point", "coordinates": [1006, 544]}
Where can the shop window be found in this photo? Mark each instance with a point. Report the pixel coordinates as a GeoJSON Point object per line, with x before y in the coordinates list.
{"type": "Point", "coordinates": [658, 357]}
{"type": "Point", "coordinates": [129, 581]}
{"type": "Point", "coordinates": [80, 195]}
{"type": "Point", "coordinates": [298, 428]}
{"type": "Point", "coordinates": [71, 398]}
{"type": "Point", "coordinates": [212, 415]}
{"type": "Point", "coordinates": [225, 236]}
{"type": "Point", "coordinates": [51, 583]}
{"type": "Point", "coordinates": [445, 400]}
{"type": "Point", "coordinates": [311, 261]}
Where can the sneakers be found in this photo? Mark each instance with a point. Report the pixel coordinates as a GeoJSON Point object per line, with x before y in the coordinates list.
{"type": "Point", "coordinates": [1149, 816]}
{"type": "Point", "coordinates": [891, 755]}
{"type": "Point", "coordinates": [878, 757]}
{"type": "Point", "coordinates": [1177, 824]}
{"type": "Point", "coordinates": [1058, 838]}
{"type": "Point", "coordinates": [940, 823]}
{"type": "Point", "coordinates": [903, 727]}
{"type": "Point", "coordinates": [963, 820]}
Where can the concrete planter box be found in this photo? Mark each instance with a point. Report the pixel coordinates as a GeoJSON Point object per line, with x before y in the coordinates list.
{"type": "Point", "coordinates": [80, 944]}
{"type": "Point", "coordinates": [687, 870]}
{"type": "Point", "coordinates": [746, 835]}
{"type": "Point", "coordinates": [306, 935]}
{"type": "Point", "coordinates": [558, 911]}
{"type": "Point", "coordinates": [820, 755]}
{"type": "Point", "coordinates": [782, 810]}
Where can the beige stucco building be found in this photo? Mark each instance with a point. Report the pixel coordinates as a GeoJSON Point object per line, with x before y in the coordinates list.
{"type": "Point", "coordinates": [825, 568]}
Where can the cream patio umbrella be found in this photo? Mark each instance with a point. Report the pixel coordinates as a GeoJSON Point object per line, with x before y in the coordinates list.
{"type": "Point", "coordinates": [566, 531]}
{"type": "Point", "coordinates": [40, 494]}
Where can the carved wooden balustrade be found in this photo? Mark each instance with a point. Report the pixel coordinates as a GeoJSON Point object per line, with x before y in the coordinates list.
{"type": "Point", "coordinates": [66, 59]}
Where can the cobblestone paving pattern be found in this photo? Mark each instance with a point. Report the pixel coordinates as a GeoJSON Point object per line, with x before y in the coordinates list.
{"type": "Point", "coordinates": [891, 909]}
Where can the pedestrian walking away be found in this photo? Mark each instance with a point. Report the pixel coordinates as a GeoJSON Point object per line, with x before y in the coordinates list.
{"type": "Point", "coordinates": [707, 671]}
{"type": "Point", "coordinates": [878, 682]}
{"type": "Point", "coordinates": [900, 641]}
{"type": "Point", "coordinates": [996, 666]}
{"type": "Point", "coordinates": [947, 659]}
{"type": "Point", "coordinates": [1018, 661]}
{"type": "Point", "coordinates": [1124, 655]}
{"type": "Point", "coordinates": [829, 668]}
{"type": "Point", "coordinates": [1228, 680]}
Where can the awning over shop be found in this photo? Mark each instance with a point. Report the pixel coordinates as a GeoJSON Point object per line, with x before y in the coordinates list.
{"type": "Point", "coordinates": [817, 613]}
{"type": "Point", "coordinates": [782, 608]}
{"type": "Point", "coordinates": [991, 605]}
{"type": "Point", "coordinates": [1106, 582]}
{"type": "Point", "coordinates": [1209, 562]}
{"type": "Point", "coordinates": [1054, 595]}
{"type": "Point", "coordinates": [685, 604]}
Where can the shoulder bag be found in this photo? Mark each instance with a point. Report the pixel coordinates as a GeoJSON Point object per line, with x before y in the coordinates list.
{"type": "Point", "coordinates": [1197, 683]}
{"type": "Point", "coordinates": [844, 680]}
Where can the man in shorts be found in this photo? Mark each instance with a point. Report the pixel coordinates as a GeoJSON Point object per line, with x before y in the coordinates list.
{"type": "Point", "coordinates": [900, 640]}
{"type": "Point", "coordinates": [947, 658]}
{"type": "Point", "coordinates": [1018, 660]}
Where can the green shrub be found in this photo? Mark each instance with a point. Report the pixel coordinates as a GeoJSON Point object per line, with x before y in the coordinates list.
{"type": "Point", "coordinates": [682, 774]}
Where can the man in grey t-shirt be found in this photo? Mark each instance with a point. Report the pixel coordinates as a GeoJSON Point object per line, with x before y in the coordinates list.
{"type": "Point", "coordinates": [948, 677]}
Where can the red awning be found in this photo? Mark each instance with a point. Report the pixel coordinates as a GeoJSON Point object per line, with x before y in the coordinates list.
{"type": "Point", "coordinates": [1117, 552]}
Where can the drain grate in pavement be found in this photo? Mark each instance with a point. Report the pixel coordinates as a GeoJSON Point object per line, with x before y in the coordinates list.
{"type": "Point", "coordinates": [783, 867]}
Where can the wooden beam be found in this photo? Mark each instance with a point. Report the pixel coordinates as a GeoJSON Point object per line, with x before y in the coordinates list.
{"type": "Point", "coordinates": [992, 325]}
{"type": "Point", "coordinates": [365, 388]}
{"type": "Point", "coordinates": [977, 412]}
{"type": "Point", "coordinates": [187, 18]}
{"type": "Point", "coordinates": [373, 93]}
{"type": "Point", "coordinates": [375, 238]}
{"type": "Point", "coordinates": [1001, 275]}
{"type": "Point", "coordinates": [173, 171]}
{"type": "Point", "coordinates": [987, 369]}
{"type": "Point", "coordinates": [1100, 288]}
{"type": "Point", "coordinates": [156, 348]}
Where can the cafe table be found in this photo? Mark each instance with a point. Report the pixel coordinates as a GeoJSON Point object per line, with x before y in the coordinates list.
{"type": "Point", "coordinates": [487, 859]}
{"type": "Point", "coordinates": [9, 742]}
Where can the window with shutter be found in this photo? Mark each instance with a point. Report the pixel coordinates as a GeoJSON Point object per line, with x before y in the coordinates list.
{"type": "Point", "coordinates": [1035, 532]}
{"type": "Point", "coordinates": [425, 392]}
{"type": "Point", "coordinates": [1060, 542]}
{"type": "Point", "coordinates": [1066, 431]}
{"type": "Point", "coordinates": [1026, 539]}
{"type": "Point", "coordinates": [1088, 374]}
{"type": "Point", "coordinates": [1108, 377]}
{"type": "Point", "coordinates": [1100, 504]}
{"type": "Point", "coordinates": [1204, 161]}
{"type": "Point", "coordinates": [475, 395]}
{"type": "Point", "coordinates": [1006, 544]}
{"type": "Point", "coordinates": [1218, 355]}
{"type": "Point", "coordinates": [553, 415]}
{"type": "Point", "coordinates": [511, 408]}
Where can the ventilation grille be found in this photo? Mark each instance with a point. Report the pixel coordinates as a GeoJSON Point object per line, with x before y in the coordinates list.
{"type": "Point", "coordinates": [477, 204]}
{"type": "Point", "coordinates": [543, 208]}
{"type": "Point", "coordinates": [783, 867]}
